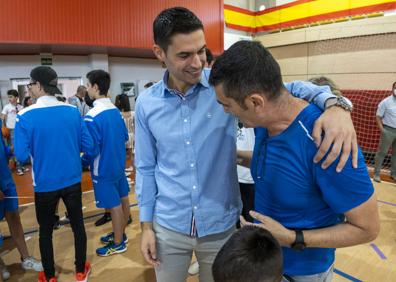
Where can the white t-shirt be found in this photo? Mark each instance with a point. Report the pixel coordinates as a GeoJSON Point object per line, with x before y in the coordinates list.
{"type": "Point", "coordinates": [245, 142]}
{"type": "Point", "coordinates": [387, 111]}
{"type": "Point", "coordinates": [11, 112]}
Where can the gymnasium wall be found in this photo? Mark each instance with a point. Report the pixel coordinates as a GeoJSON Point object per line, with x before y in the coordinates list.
{"type": "Point", "coordinates": [121, 69]}
{"type": "Point", "coordinates": [121, 24]}
{"type": "Point", "coordinates": [359, 54]}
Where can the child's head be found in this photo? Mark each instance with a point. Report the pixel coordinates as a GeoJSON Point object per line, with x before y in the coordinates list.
{"type": "Point", "coordinates": [12, 96]}
{"type": "Point", "coordinates": [251, 254]}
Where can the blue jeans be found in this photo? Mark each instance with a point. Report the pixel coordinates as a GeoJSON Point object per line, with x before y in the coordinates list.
{"type": "Point", "coordinates": [326, 276]}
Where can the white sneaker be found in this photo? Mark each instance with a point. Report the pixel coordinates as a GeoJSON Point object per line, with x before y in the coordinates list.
{"type": "Point", "coordinates": [128, 173]}
{"type": "Point", "coordinates": [377, 178]}
{"type": "Point", "coordinates": [129, 169]}
{"type": "Point", "coordinates": [4, 271]}
{"type": "Point", "coordinates": [32, 263]}
{"type": "Point", "coordinates": [194, 268]}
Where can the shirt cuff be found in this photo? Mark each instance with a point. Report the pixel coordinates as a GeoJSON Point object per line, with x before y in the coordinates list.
{"type": "Point", "coordinates": [321, 99]}
{"type": "Point", "coordinates": [146, 213]}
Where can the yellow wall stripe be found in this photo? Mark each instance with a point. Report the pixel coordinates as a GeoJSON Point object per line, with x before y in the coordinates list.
{"type": "Point", "coordinates": [302, 12]}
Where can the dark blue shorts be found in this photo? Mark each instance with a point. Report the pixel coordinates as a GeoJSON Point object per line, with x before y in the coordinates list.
{"type": "Point", "coordinates": [108, 194]}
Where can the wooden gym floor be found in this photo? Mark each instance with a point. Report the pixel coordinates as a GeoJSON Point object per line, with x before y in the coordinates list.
{"type": "Point", "coordinates": [370, 262]}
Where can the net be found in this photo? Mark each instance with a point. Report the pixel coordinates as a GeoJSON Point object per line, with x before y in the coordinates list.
{"type": "Point", "coordinates": [361, 67]}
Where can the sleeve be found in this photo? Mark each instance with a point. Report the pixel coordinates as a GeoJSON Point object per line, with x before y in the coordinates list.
{"type": "Point", "coordinates": [90, 140]}
{"type": "Point", "coordinates": [345, 190]}
{"type": "Point", "coordinates": [5, 110]}
{"type": "Point", "coordinates": [381, 109]}
{"type": "Point", "coordinates": [145, 163]}
{"type": "Point", "coordinates": [125, 129]}
{"type": "Point", "coordinates": [72, 101]}
{"type": "Point", "coordinates": [21, 142]}
{"type": "Point", "coordinates": [312, 93]}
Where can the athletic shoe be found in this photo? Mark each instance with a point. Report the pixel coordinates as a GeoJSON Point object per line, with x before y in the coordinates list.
{"type": "Point", "coordinates": [4, 271]}
{"type": "Point", "coordinates": [57, 223]}
{"type": "Point", "coordinates": [83, 276]}
{"type": "Point", "coordinates": [129, 169]}
{"type": "Point", "coordinates": [127, 173]}
{"type": "Point", "coordinates": [42, 278]}
{"type": "Point", "coordinates": [377, 178]}
{"type": "Point", "coordinates": [109, 238]}
{"type": "Point", "coordinates": [32, 263]}
{"type": "Point", "coordinates": [104, 219]}
{"type": "Point", "coordinates": [64, 220]}
{"type": "Point", "coordinates": [19, 172]}
{"type": "Point", "coordinates": [194, 268]}
{"type": "Point", "coordinates": [111, 249]}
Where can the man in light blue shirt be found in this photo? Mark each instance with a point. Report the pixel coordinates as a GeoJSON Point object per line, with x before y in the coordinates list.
{"type": "Point", "coordinates": [185, 153]}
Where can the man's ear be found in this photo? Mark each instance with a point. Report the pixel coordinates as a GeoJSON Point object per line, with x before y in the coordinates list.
{"type": "Point", "coordinates": [39, 86]}
{"type": "Point", "coordinates": [255, 101]}
{"type": "Point", "coordinates": [95, 87]}
{"type": "Point", "coordinates": [159, 53]}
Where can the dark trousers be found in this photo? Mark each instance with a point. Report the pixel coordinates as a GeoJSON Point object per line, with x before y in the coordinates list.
{"type": "Point", "coordinates": [45, 213]}
{"type": "Point", "coordinates": [247, 196]}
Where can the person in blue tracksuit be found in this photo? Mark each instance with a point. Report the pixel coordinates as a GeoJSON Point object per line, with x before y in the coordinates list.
{"type": "Point", "coordinates": [107, 162]}
{"type": "Point", "coordinates": [9, 210]}
{"type": "Point", "coordinates": [53, 134]}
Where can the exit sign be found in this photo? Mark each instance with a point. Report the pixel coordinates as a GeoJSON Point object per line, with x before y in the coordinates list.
{"type": "Point", "coordinates": [46, 61]}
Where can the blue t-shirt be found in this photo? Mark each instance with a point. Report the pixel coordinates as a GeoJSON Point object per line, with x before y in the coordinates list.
{"type": "Point", "coordinates": [299, 194]}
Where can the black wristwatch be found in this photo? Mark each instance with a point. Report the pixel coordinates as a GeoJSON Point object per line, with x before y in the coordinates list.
{"type": "Point", "coordinates": [339, 101]}
{"type": "Point", "coordinates": [299, 243]}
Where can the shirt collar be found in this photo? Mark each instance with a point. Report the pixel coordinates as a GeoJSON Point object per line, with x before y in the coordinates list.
{"type": "Point", "coordinates": [101, 101]}
{"type": "Point", "coordinates": [203, 82]}
{"type": "Point", "coordinates": [46, 98]}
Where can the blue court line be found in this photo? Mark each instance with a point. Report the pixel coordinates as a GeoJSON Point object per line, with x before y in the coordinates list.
{"type": "Point", "coordinates": [387, 203]}
{"type": "Point", "coordinates": [346, 276]}
{"type": "Point", "coordinates": [378, 251]}
{"type": "Point", "coordinates": [87, 217]}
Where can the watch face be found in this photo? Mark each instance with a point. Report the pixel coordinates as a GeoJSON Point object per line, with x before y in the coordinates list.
{"type": "Point", "coordinates": [298, 246]}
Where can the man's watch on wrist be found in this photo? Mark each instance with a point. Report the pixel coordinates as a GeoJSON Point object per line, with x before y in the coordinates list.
{"type": "Point", "coordinates": [339, 101]}
{"type": "Point", "coordinates": [299, 243]}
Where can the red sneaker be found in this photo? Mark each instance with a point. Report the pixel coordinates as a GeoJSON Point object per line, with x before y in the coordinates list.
{"type": "Point", "coordinates": [83, 277]}
{"type": "Point", "coordinates": [42, 278]}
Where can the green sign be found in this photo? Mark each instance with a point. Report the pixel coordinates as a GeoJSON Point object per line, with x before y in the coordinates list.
{"type": "Point", "coordinates": [46, 61]}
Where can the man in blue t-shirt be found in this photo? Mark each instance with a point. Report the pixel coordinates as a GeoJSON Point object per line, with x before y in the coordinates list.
{"type": "Point", "coordinates": [311, 211]}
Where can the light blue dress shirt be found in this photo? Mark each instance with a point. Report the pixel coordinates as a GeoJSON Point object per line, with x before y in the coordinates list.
{"type": "Point", "coordinates": [185, 156]}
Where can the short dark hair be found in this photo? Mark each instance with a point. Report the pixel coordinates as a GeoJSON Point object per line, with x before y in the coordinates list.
{"type": "Point", "coordinates": [148, 84]}
{"type": "Point", "coordinates": [245, 68]}
{"type": "Point", "coordinates": [26, 100]}
{"type": "Point", "coordinates": [101, 78]}
{"type": "Point", "coordinates": [393, 85]}
{"type": "Point", "coordinates": [209, 56]}
{"type": "Point", "coordinates": [12, 92]}
{"type": "Point", "coordinates": [251, 254]}
{"type": "Point", "coordinates": [172, 21]}
{"type": "Point", "coordinates": [122, 103]}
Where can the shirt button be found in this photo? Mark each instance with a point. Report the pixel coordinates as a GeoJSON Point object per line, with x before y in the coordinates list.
{"type": "Point", "coordinates": [192, 165]}
{"type": "Point", "coordinates": [195, 208]}
{"type": "Point", "coordinates": [188, 142]}
{"type": "Point", "coordinates": [194, 187]}
{"type": "Point", "coordinates": [185, 120]}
